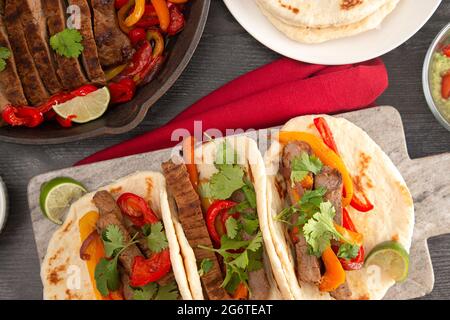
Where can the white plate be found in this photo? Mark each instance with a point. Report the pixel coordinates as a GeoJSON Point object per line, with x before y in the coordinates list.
{"type": "Point", "coordinates": [408, 18]}
{"type": "Point", "coordinates": [2, 204]}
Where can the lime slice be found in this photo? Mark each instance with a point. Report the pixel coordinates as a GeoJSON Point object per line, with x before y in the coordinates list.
{"type": "Point", "coordinates": [86, 108]}
{"type": "Point", "coordinates": [57, 195]}
{"type": "Point", "coordinates": [392, 258]}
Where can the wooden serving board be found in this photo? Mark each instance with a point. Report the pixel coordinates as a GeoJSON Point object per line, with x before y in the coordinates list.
{"type": "Point", "coordinates": [428, 179]}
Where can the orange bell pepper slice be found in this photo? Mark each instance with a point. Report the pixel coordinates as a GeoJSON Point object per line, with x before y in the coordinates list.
{"type": "Point", "coordinates": [96, 251]}
{"type": "Point", "coordinates": [334, 275]}
{"type": "Point", "coordinates": [189, 160]}
{"type": "Point", "coordinates": [326, 155]}
{"type": "Point", "coordinates": [162, 11]}
{"type": "Point", "coordinates": [122, 16]}
{"type": "Point", "coordinates": [241, 292]}
{"type": "Point", "coordinates": [351, 237]}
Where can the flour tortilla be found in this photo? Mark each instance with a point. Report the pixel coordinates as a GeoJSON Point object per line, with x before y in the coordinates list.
{"type": "Point", "coordinates": [62, 261]}
{"type": "Point", "coordinates": [312, 35]}
{"type": "Point", "coordinates": [250, 158]}
{"type": "Point", "coordinates": [391, 219]}
{"type": "Point", "coordinates": [321, 13]}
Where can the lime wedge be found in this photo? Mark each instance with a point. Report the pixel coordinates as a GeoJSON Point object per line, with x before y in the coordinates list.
{"type": "Point", "coordinates": [57, 195]}
{"type": "Point", "coordinates": [392, 258]}
{"type": "Point", "coordinates": [86, 108]}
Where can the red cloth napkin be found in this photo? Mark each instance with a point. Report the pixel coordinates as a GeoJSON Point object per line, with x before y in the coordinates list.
{"type": "Point", "coordinates": [266, 97]}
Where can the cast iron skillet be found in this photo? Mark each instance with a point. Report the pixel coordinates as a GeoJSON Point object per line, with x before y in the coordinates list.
{"type": "Point", "coordinates": [125, 117]}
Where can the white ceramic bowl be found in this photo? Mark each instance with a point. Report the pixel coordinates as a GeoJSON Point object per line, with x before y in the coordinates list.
{"type": "Point", "coordinates": [440, 38]}
{"type": "Point", "coordinates": [3, 205]}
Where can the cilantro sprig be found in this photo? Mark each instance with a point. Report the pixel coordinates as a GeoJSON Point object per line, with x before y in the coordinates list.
{"type": "Point", "coordinates": [106, 273]}
{"type": "Point", "coordinates": [5, 54]}
{"type": "Point", "coordinates": [153, 291]}
{"type": "Point", "coordinates": [156, 237]}
{"type": "Point", "coordinates": [304, 164]}
{"type": "Point", "coordinates": [205, 267]}
{"type": "Point", "coordinates": [67, 43]}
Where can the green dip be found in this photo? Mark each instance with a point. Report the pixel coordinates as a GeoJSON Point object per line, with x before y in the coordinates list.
{"type": "Point", "coordinates": [440, 66]}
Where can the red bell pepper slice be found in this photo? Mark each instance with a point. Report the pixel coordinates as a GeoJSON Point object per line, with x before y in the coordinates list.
{"type": "Point", "coordinates": [177, 21]}
{"type": "Point", "coordinates": [446, 50]}
{"type": "Point", "coordinates": [326, 134]}
{"type": "Point", "coordinates": [362, 205]}
{"type": "Point", "coordinates": [122, 91]}
{"type": "Point", "coordinates": [120, 3]}
{"type": "Point", "coordinates": [218, 207]}
{"type": "Point", "coordinates": [136, 209]}
{"type": "Point", "coordinates": [83, 90]}
{"type": "Point", "coordinates": [140, 60]}
{"type": "Point", "coordinates": [137, 35]}
{"type": "Point", "coordinates": [149, 19]}
{"type": "Point", "coordinates": [65, 123]}
{"type": "Point", "coordinates": [357, 262]}
{"type": "Point", "coordinates": [149, 270]}
{"type": "Point", "coordinates": [22, 116]}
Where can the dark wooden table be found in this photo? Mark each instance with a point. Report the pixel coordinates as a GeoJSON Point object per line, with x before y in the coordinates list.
{"type": "Point", "coordinates": [225, 52]}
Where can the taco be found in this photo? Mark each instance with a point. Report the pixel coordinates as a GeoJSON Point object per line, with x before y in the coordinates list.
{"type": "Point", "coordinates": [219, 198]}
{"type": "Point", "coordinates": [118, 243]}
{"type": "Point", "coordinates": [333, 195]}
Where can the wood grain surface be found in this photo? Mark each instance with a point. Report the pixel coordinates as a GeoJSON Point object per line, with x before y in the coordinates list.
{"type": "Point", "coordinates": [225, 52]}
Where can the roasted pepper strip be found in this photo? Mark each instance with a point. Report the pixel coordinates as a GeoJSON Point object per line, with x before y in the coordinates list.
{"type": "Point", "coordinates": [122, 91]}
{"type": "Point", "coordinates": [350, 236]}
{"type": "Point", "coordinates": [136, 15]}
{"type": "Point", "coordinates": [157, 39]}
{"type": "Point", "coordinates": [214, 210]}
{"type": "Point", "coordinates": [326, 155]}
{"type": "Point", "coordinates": [122, 15]}
{"type": "Point", "coordinates": [22, 116]}
{"type": "Point", "coordinates": [96, 251]}
{"type": "Point", "coordinates": [241, 292]}
{"type": "Point", "coordinates": [334, 275]}
{"type": "Point", "coordinates": [189, 160]}
{"type": "Point", "coordinates": [361, 205]}
{"type": "Point", "coordinates": [358, 262]}
{"type": "Point", "coordinates": [162, 10]}
{"type": "Point", "coordinates": [114, 72]}
{"type": "Point", "coordinates": [149, 270]}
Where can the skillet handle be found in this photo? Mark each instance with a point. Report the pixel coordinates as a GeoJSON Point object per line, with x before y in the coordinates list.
{"type": "Point", "coordinates": [429, 181]}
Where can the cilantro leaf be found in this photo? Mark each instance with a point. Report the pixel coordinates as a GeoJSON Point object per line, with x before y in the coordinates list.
{"type": "Point", "coordinates": [256, 242]}
{"type": "Point", "coordinates": [255, 260]}
{"type": "Point", "coordinates": [112, 240]}
{"type": "Point", "coordinates": [5, 53]}
{"type": "Point", "coordinates": [348, 251]}
{"type": "Point", "coordinates": [205, 267]}
{"type": "Point", "coordinates": [319, 230]}
{"type": "Point", "coordinates": [168, 292]}
{"type": "Point", "coordinates": [250, 194]}
{"type": "Point", "coordinates": [232, 227]}
{"type": "Point", "coordinates": [107, 276]}
{"type": "Point", "coordinates": [146, 292]}
{"type": "Point", "coordinates": [67, 43]}
{"type": "Point", "coordinates": [250, 225]}
{"type": "Point", "coordinates": [156, 239]}
{"type": "Point", "coordinates": [224, 183]}
{"type": "Point", "coordinates": [303, 165]}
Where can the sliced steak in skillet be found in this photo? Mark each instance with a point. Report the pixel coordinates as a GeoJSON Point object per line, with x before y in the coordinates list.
{"type": "Point", "coordinates": [114, 46]}
{"type": "Point", "coordinates": [191, 218]}
{"type": "Point", "coordinates": [331, 179]}
{"type": "Point", "coordinates": [308, 266]}
{"type": "Point", "coordinates": [89, 56]}
{"type": "Point", "coordinates": [110, 214]}
{"type": "Point", "coordinates": [68, 69]}
{"type": "Point", "coordinates": [35, 28]}
{"type": "Point", "coordinates": [10, 86]}
{"type": "Point", "coordinates": [32, 84]}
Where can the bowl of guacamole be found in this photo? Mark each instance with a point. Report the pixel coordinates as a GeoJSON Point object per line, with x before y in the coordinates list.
{"type": "Point", "coordinates": [436, 77]}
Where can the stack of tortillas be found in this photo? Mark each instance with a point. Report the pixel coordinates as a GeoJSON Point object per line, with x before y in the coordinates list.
{"type": "Point", "coordinates": [316, 21]}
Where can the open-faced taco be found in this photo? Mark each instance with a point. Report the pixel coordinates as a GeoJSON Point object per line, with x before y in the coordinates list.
{"type": "Point", "coordinates": [118, 243]}
{"type": "Point", "coordinates": [220, 199]}
{"type": "Point", "coordinates": [333, 196]}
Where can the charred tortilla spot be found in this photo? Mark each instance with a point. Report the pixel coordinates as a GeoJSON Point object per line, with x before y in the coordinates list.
{"type": "Point", "coordinates": [350, 4]}
{"type": "Point", "coordinates": [289, 7]}
{"type": "Point", "coordinates": [361, 177]}
{"type": "Point", "coordinates": [54, 277]}
{"type": "Point", "coordinates": [68, 226]}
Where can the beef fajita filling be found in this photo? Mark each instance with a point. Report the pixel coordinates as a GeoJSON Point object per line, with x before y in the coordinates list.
{"type": "Point", "coordinates": [220, 220]}
{"type": "Point", "coordinates": [136, 263]}
{"type": "Point", "coordinates": [313, 215]}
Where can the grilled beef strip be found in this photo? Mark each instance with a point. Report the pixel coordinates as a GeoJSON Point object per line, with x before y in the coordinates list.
{"type": "Point", "coordinates": [128, 293]}
{"type": "Point", "coordinates": [33, 86]}
{"type": "Point", "coordinates": [308, 266]}
{"type": "Point", "coordinates": [114, 46]}
{"type": "Point", "coordinates": [110, 214]}
{"type": "Point", "coordinates": [11, 91]}
{"type": "Point", "coordinates": [259, 285]}
{"type": "Point", "coordinates": [89, 56]}
{"type": "Point", "coordinates": [68, 69]}
{"type": "Point", "coordinates": [35, 28]}
{"type": "Point", "coordinates": [331, 179]}
{"type": "Point", "coordinates": [191, 218]}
